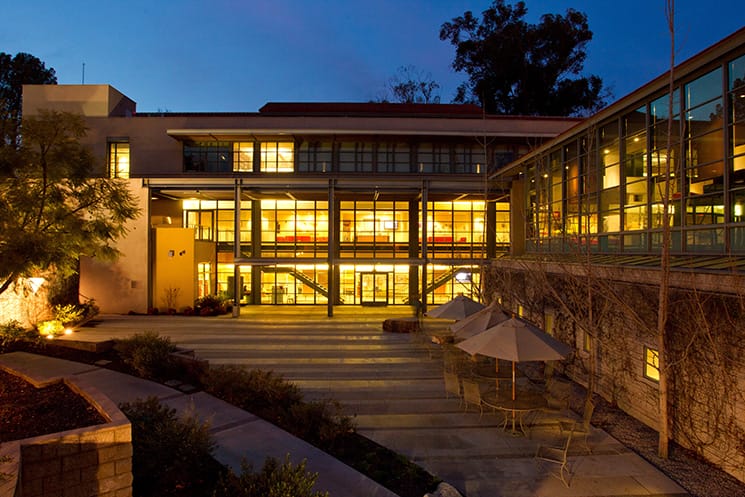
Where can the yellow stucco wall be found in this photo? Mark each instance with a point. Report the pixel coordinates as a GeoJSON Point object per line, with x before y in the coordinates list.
{"type": "Point", "coordinates": [174, 273]}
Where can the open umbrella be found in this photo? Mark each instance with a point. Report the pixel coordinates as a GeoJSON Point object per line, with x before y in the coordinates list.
{"type": "Point", "coordinates": [458, 308]}
{"type": "Point", "coordinates": [479, 322]}
{"type": "Point", "coordinates": [516, 340]}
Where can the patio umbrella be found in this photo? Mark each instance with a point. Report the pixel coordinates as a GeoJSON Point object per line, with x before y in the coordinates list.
{"type": "Point", "coordinates": [479, 322]}
{"type": "Point", "coordinates": [515, 340]}
{"type": "Point", "coordinates": [458, 308]}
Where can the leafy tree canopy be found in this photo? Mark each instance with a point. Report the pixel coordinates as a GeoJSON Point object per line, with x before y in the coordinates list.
{"type": "Point", "coordinates": [524, 69]}
{"type": "Point", "coordinates": [16, 71]}
{"type": "Point", "coordinates": [51, 210]}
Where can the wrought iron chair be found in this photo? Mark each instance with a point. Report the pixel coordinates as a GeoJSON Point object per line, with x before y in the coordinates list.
{"type": "Point", "coordinates": [557, 455]}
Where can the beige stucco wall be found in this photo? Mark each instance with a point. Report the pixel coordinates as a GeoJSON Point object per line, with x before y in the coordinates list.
{"type": "Point", "coordinates": [174, 269]}
{"type": "Point", "coordinates": [88, 100]}
{"type": "Point", "coordinates": [122, 286]}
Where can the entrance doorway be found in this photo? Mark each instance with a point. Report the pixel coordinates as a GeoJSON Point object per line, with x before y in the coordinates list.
{"type": "Point", "coordinates": [374, 288]}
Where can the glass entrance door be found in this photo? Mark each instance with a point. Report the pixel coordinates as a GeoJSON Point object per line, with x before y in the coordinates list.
{"type": "Point", "coordinates": [374, 288]}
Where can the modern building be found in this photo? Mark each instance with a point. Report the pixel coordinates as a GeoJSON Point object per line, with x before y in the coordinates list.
{"type": "Point", "coordinates": [586, 259]}
{"type": "Point", "coordinates": [299, 203]}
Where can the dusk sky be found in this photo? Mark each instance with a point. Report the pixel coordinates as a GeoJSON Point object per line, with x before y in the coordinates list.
{"type": "Point", "coordinates": [236, 55]}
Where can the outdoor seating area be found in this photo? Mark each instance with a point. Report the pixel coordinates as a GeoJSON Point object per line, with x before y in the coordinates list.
{"type": "Point", "coordinates": [482, 353]}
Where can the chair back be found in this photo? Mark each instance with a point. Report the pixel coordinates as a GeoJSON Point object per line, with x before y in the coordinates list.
{"type": "Point", "coordinates": [471, 392]}
{"type": "Point", "coordinates": [452, 384]}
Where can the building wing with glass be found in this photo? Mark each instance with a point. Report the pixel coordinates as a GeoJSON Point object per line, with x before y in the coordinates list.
{"type": "Point", "coordinates": [601, 184]}
{"type": "Point", "coordinates": [333, 204]}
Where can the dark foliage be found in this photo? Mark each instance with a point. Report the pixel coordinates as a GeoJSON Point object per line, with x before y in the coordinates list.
{"type": "Point", "coordinates": [524, 69]}
{"type": "Point", "coordinates": [172, 456]}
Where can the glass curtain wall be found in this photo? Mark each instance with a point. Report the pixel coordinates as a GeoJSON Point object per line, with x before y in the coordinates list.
{"type": "Point", "coordinates": [610, 186]}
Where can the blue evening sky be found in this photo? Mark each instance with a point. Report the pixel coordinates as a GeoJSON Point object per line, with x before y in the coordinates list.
{"type": "Point", "coordinates": [236, 55]}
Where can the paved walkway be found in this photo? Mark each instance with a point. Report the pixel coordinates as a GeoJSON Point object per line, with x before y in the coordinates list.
{"type": "Point", "coordinates": [395, 390]}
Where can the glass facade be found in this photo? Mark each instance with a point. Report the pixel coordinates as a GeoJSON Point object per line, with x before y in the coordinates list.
{"type": "Point", "coordinates": [375, 243]}
{"type": "Point", "coordinates": [321, 156]}
{"type": "Point", "coordinates": [603, 189]}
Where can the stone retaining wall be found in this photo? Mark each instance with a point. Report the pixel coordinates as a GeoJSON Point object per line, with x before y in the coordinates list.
{"type": "Point", "coordinates": [86, 462]}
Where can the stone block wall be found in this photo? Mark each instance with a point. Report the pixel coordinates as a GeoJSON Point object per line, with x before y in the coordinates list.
{"type": "Point", "coordinates": [86, 462]}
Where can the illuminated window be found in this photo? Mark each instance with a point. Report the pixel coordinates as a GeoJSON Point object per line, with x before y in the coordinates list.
{"type": "Point", "coordinates": [243, 157]}
{"type": "Point", "coordinates": [651, 364]}
{"type": "Point", "coordinates": [118, 159]}
{"type": "Point", "coordinates": [587, 342]}
{"type": "Point", "coordinates": [277, 157]}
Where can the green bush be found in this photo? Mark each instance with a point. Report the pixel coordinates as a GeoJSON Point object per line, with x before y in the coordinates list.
{"type": "Point", "coordinates": [210, 305]}
{"type": "Point", "coordinates": [261, 392]}
{"type": "Point", "coordinates": [172, 456]}
{"type": "Point", "coordinates": [68, 314]}
{"type": "Point", "coordinates": [148, 354]}
{"type": "Point", "coordinates": [274, 480]}
{"type": "Point", "coordinates": [319, 422]}
{"type": "Point", "coordinates": [13, 334]}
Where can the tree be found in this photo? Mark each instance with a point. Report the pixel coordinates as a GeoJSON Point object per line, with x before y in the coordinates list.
{"type": "Point", "coordinates": [664, 293]}
{"type": "Point", "coordinates": [409, 86]}
{"type": "Point", "coordinates": [22, 69]}
{"type": "Point", "coordinates": [524, 69]}
{"type": "Point", "coordinates": [51, 210]}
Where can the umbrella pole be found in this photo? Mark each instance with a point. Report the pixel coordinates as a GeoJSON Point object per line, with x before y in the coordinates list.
{"type": "Point", "coordinates": [513, 396]}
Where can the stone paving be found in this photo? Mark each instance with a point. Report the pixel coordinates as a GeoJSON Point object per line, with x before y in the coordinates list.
{"type": "Point", "coordinates": [393, 386]}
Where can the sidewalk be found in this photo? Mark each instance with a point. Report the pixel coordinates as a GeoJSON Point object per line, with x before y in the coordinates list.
{"type": "Point", "coordinates": [238, 434]}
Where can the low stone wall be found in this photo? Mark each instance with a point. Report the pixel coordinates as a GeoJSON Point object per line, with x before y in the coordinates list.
{"type": "Point", "coordinates": [86, 462]}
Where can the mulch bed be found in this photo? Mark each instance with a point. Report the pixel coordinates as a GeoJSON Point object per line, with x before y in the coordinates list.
{"type": "Point", "coordinates": [26, 411]}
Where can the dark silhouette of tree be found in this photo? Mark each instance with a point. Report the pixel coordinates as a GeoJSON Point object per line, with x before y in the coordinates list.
{"type": "Point", "coordinates": [16, 71]}
{"type": "Point", "coordinates": [524, 69]}
{"type": "Point", "coordinates": [410, 86]}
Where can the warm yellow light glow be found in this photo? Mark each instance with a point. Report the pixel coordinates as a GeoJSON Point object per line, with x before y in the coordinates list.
{"type": "Point", "coordinates": [738, 210]}
{"type": "Point", "coordinates": [651, 364]}
{"type": "Point", "coordinates": [68, 331]}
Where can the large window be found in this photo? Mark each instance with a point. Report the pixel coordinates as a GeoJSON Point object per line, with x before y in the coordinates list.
{"type": "Point", "coordinates": [118, 159]}
{"type": "Point", "coordinates": [377, 228]}
{"type": "Point", "coordinates": [294, 228]}
{"type": "Point", "coordinates": [277, 157]}
{"type": "Point", "coordinates": [314, 157]}
{"type": "Point", "coordinates": [394, 157]}
{"type": "Point", "coordinates": [211, 157]}
{"type": "Point", "coordinates": [355, 157]}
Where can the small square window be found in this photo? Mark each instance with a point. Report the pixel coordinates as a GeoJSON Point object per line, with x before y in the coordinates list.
{"type": "Point", "coordinates": [651, 364]}
{"type": "Point", "coordinates": [587, 342]}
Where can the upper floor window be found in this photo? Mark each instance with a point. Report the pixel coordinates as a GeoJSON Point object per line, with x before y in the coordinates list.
{"type": "Point", "coordinates": [208, 157]}
{"type": "Point", "coordinates": [119, 159]}
{"type": "Point", "coordinates": [243, 157]}
{"type": "Point", "coordinates": [277, 157]}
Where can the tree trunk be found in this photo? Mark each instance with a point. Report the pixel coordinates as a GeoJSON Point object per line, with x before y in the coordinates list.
{"type": "Point", "coordinates": [662, 311]}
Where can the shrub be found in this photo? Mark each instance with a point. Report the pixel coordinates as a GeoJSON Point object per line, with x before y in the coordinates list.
{"type": "Point", "coordinates": [209, 305]}
{"type": "Point", "coordinates": [274, 480]}
{"type": "Point", "coordinates": [148, 354]}
{"type": "Point", "coordinates": [51, 328]}
{"type": "Point", "coordinates": [12, 334]}
{"type": "Point", "coordinates": [68, 314]}
{"type": "Point", "coordinates": [262, 392]}
{"type": "Point", "coordinates": [319, 422]}
{"type": "Point", "coordinates": [172, 456]}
